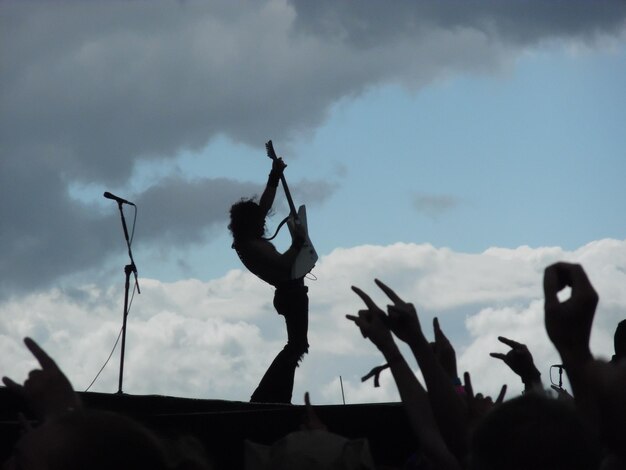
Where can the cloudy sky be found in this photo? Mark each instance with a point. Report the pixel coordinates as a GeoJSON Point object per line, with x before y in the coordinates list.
{"type": "Point", "coordinates": [452, 149]}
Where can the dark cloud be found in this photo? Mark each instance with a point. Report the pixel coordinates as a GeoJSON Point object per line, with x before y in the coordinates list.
{"type": "Point", "coordinates": [433, 205]}
{"type": "Point", "coordinates": [49, 235]}
{"type": "Point", "coordinates": [368, 23]}
{"type": "Point", "coordinates": [88, 89]}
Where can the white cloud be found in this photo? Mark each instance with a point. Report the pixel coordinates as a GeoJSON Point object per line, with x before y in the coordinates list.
{"type": "Point", "coordinates": [215, 339]}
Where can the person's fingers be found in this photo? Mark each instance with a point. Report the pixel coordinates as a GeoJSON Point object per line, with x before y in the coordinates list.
{"type": "Point", "coordinates": [307, 400]}
{"type": "Point", "coordinates": [42, 357]}
{"type": "Point", "coordinates": [498, 356]}
{"type": "Point", "coordinates": [389, 292]}
{"type": "Point", "coordinates": [581, 286]}
{"type": "Point", "coordinates": [509, 342]}
{"type": "Point", "coordinates": [365, 298]}
{"type": "Point", "coordinates": [501, 395]}
{"type": "Point", "coordinates": [33, 374]}
{"type": "Point", "coordinates": [11, 385]}
{"type": "Point", "coordinates": [360, 322]}
{"type": "Point", "coordinates": [552, 283]}
{"type": "Point", "coordinates": [467, 384]}
{"type": "Point", "coordinates": [439, 336]}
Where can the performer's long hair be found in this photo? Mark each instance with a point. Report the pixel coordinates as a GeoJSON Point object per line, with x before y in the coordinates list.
{"type": "Point", "coordinates": [246, 221]}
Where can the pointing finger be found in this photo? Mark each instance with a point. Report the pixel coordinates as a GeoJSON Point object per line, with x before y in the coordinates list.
{"type": "Point", "coordinates": [498, 355]}
{"type": "Point", "coordinates": [439, 335]}
{"type": "Point", "coordinates": [467, 384]}
{"type": "Point", "coordinates": [509, 342]}
{"type": "Point", "coordinates": [365, 298]}
{"type": "Point", "coordinates": [389, 292]}
{"type": "Point", "coordinates": [13, 386]}
{"type": "Point", "coordinates": [42, 357]}
{"type": "Point", "coordinates": [501, 395]}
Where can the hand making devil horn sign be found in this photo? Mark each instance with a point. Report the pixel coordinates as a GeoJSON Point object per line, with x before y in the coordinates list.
{"type": "Point", "coordinates": [47, 391]}
{"type": "Point", "coordinates": [373, 322]}
{"type": "Point", "coordinates": [403, 319]}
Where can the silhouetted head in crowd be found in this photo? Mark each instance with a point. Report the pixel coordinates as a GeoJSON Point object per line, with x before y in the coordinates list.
{"type": "Point", "coordinates": [247, 220]}
{"type": "Point", "coordinates": [619, 341]}
{"type": "Point", "coordinates": [88, 440]}
{"type": "Point", "coordinates": [533, 432]}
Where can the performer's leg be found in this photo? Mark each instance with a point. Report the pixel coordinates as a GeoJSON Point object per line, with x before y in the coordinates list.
{"type": "Point", "coordinates": [276, 386]}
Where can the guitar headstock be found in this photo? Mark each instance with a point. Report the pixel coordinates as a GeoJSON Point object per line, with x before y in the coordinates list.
{"type": "Point", "coordinates": [269, 148]}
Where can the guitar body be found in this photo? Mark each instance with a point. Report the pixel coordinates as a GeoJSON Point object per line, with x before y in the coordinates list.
{"type": "Point", "coordinates": [307, 256]}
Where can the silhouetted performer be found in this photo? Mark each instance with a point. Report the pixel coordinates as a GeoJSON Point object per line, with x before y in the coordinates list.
{"type": "Point", "coordinates": [247, 225]}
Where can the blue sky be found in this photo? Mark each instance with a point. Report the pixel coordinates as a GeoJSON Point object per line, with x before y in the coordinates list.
{"type": "Point", "coordinates": [533, 155]}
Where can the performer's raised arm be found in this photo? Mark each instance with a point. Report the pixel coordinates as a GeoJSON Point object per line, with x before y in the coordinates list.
{"type": "Point", "coordinates": [267, 198]}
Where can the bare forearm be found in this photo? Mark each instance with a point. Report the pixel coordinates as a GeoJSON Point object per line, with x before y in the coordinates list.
{"type": "Point", "coordinates": [447, 406]}
{"type": "Point", "coordinates": [417, 406]}
{"type": "Point", "coordinates": [267, 198]}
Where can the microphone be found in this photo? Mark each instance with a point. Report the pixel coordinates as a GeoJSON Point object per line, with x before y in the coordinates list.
{"type": "Point", "coordinates": [119, 200]}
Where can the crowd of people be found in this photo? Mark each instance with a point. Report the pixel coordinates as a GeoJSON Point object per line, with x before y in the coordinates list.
{"type": "Point", "coordinates": [457, 428]}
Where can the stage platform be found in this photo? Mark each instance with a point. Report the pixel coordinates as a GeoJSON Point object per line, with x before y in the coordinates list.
{"type": "Point", "coordinates": [223, 426]}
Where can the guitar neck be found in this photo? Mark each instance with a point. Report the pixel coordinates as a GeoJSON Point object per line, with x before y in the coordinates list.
{"type": "Point", "coordinates": [269, 147]}
{"type": "Point", "coordinates": [292, 207]}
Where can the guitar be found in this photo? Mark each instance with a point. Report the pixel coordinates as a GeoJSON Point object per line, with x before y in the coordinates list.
{"type": "Point", "coordinates": [307, 257]}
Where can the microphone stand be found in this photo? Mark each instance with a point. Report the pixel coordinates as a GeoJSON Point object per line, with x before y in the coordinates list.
{"type": "Point", "coordinates": [127, 270]}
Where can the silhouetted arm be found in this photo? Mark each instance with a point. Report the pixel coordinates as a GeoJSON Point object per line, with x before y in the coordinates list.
{"type": "Point", "coordinates": [373, 325]}
{"type": "Point", "coordinates": [447, 406]}
{"type": "Point", "coordinates": [568, 325]}
{"type": "Point", "coordinates": [445, 353]}
{"type": "Point", "coordinates": [267, 198]}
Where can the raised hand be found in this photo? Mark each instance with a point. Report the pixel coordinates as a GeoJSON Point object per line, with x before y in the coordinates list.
{"type": "Point", "coordinates": [519, 360]}
{"type": "Point", "coordinates": [278, 166]}
{"type": "Point", "coordinates": [479, 405]}
{"type": "Point", "coordinates": [561, 393]}
{"type": "Point", "coordinates": [47, 391]}
{"type": "Point", "coordinates": [568, 323]}
{"type": "Point", "coordinates": [311, 421]}
{"type": "Point", "coordinates": [373, 322]}
{"type": "Point", "coordinates": [444, 351]}
{"type": "Point", "coordinates": [403, 319]}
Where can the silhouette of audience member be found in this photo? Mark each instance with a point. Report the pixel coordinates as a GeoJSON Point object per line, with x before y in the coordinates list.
{"type": "Point", "coordinates": [598, 388]}
{"type": "Point", "coordinates": [401, 318]}
{"type": "Point", "coordinates": [533, 432]}
{"type": "Point", "coordinates": [619, 342]}
{"type": "Point", "coordinates": [71, 437]}
{"type": "Point", "coordinates": [247, 226]}
{"type": "Point", "coordinates": [520, 360]}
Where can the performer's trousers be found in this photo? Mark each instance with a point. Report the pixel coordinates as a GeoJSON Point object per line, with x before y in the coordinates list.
{"type": "Point", "coordinates": [276, 386]}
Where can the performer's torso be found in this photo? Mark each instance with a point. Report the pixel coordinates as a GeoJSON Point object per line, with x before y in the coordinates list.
{"type": "Point", "coordinates": [263, 260]}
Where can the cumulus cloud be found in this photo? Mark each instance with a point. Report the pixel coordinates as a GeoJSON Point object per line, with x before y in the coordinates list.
{"type": "Point", "coordinates": [89, 90]}
{"type": "Point", "coordinates": [215, 339]}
